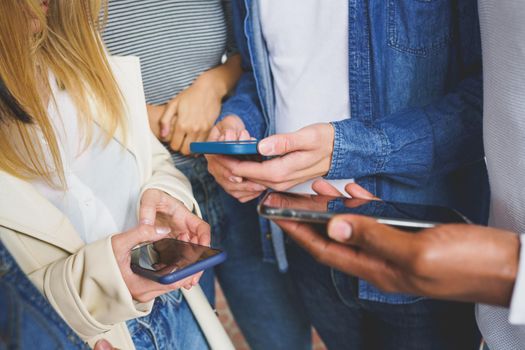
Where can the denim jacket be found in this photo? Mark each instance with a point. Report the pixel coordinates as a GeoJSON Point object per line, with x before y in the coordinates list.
{"type": "Point", "coordinates": [415, 132]}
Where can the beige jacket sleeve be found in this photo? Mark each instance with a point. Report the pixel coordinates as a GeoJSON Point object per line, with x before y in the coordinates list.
{"type": "Point", "coordinates": [88, 290]}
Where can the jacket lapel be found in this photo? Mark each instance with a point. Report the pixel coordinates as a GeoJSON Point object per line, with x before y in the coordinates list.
{"type": "Point", "coordinates": [24, 210]}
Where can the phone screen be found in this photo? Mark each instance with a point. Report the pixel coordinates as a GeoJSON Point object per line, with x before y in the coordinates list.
{"type": "Point", "coordinates": [320, 209]}
{"type": "Point", "coordinates": [169, 255]}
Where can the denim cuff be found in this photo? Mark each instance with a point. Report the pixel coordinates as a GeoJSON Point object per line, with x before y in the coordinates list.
{"type": "Point", "coordinates": [359, 150]}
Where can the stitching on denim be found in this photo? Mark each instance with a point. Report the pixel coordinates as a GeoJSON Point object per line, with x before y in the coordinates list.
{"type": "Point", "coordinates": [392, 35]}
{"type": "Point", "coordinates": [147, 328]}
{"type": "Point", "coordinates": [339, 294]}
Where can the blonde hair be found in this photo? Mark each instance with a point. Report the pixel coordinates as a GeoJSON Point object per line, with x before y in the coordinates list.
{"type": "Point", "coordinates": [69, 45]}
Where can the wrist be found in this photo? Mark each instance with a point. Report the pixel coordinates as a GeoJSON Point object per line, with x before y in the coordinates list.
{"type": "Point", "coordinates": [212, 83]}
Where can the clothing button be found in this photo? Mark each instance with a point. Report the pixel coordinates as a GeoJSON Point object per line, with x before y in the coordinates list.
{"type": "Point", "coordinates": [268, 236]}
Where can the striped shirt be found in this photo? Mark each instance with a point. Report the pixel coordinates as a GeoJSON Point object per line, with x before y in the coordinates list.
{"type": "Point", "coordinates": [176, 40]}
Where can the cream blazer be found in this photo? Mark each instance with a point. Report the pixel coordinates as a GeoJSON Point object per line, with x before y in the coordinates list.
{"type": "Point", "coordinates": [83, 282]}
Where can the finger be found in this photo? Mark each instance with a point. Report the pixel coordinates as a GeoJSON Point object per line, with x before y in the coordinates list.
{"type": "Point", "coordinates": [244, 135]}
{"type": "Point", "coordinates": [231, 135]}
{"type": "Point", "coordinates": [281, 144]}
{"type": "Point", "coordinates": [200, 231]}
{"type": "Point", "coordinates": [381, 240]}
{"type": "Point", "coordinates": [202, 136]}
{"type": "Point", "coordinates": [142, 234]}
{"type": "Point", "coordinates": [103, 344]}
{"type": "Point", "coordinates": [177, 139]}
{"type": "Point", "coordinates": [185, 147]}
{"type": "Point", "coordinates": [166, 119]}
{"type": "Point", "coordinates": [354, 190]}
{"type": "Point", "coordinates": [324, 188]}
{"type": "Point", "coordinates": [222, 166]}
{"type": "Point", "coordinates": [215, 133]}
{"type": "Point", "coordinates": [339, 256]}
{"type": "Point", "coordinates": [247, 198]}
{"type": "Point", "coordinates": [277, 170]}
{"type": "Point", "coordinates": [148, 207]}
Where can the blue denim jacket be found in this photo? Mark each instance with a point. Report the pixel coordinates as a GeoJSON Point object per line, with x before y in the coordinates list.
{"type": "Point", "coordinates": [27, 320]}
{"type": "Point", "coordinates": [415, 134]}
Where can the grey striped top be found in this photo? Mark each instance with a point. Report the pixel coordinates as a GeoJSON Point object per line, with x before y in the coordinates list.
{"type": "Point", "coordinates": [503, 40]}
{"type": "Point", "coordinates": [176, 40]}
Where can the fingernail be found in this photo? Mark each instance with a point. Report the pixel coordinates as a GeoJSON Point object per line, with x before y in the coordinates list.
{"type": "Point", "coordinates": [235, 179]}
{"type": "Point", "coordinates": [341, 230]}
{"type": "Point", "coordinates": [266, 148]}
{"type": "Point", "coordinates": [103, 344]}
{"type": "Point", "coordinates": [162, 230]}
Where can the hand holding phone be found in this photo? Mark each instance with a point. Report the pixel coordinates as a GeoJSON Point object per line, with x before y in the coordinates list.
{"type": "Point", "coordinates": [231, 128]}
{"type": "Point", "coordinates": [170, 260]}
{"type": "Point", "coordinates": [320, 209]}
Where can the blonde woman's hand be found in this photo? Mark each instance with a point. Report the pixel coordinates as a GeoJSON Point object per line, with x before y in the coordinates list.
{"type": "Point", "coordinates": [159, 209]}
{"type": "Point", "coordinates": [190, 115]}
{"type": "Point", "coordinates": [141, 289]}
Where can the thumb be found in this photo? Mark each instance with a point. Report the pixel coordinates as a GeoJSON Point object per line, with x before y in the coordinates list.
{"type": "Point", "coordinates": [145, 233]}
{"type": "Point", "coordinates": [103, 344]}
{"type": "Point", "coordinates": [281, 144]}
{"type": "Point", "coordinates": [371, 236]}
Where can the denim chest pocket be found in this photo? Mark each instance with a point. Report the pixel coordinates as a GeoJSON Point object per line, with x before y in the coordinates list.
{"type": "Point", "coordinates": [419, 27]}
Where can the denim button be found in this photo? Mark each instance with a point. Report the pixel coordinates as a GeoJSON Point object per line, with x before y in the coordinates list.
{"type": "Point", "coordinates": [268, 236]}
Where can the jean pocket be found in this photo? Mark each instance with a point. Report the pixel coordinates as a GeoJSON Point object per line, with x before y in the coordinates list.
{"type": "Point", "coordinates": [419, 27]}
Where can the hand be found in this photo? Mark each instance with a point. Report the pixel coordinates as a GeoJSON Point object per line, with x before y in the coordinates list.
{"type": "Point", "coordinates": [323, 187]}
{"type": "Point", "coordinates": [154, 115]}
{"type": "Point", "coordinates": [231, 128]}
{"type": "Point", "coordinates": [162, 210]}
{"type": "Point", "coordinates": [304, 155]}
{"type": "Point", "coordinates": [103, 344]}
{"type": "Point", "coordinates": [190, 115]}
{"type": "Point", "coordinates": [140, 288]}
{"type": "Point", "coordinates": [455, 262]}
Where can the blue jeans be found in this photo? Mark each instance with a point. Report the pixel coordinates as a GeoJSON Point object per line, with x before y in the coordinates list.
{"type": "Point", "coordinates": [263, 301]}
{"type": "Point", "coordinates": [170, 326]}
{"type": "Point", "coordinates": [27, 320]}
{"type": "Point", "coordinates": [346, 322]}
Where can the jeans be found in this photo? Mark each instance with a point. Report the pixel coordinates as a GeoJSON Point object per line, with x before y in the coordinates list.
{"type": "Point", "coordinates": [346, 322]}
{"type": "Point", "coordinates": [170, 326]}
{"type": "Point", "coordinates": [27, 320]}
{"type": "Point", "coordinates": [263, 301]}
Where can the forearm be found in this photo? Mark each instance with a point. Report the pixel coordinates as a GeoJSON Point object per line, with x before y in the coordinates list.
{"type": "Point", "coordinates": [223, 78]}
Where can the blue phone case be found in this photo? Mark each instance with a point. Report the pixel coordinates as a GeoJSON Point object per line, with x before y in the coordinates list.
{"type": "Point", "coordinates": [182, 273]}
{"type": "Point", "coordinates": [232, 148]}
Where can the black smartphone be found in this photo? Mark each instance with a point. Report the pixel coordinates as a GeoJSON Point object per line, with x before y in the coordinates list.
{"type": "Point", "coordinates": [320, 209]}
{"type": "Point", "coordinates": [170, 260]}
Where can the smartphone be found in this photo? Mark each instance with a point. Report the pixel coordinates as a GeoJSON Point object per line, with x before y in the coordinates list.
{"type": "Point", "coordinates": [231, 148]}
{"type": "Point", "coordinates": [170, 260]}
{"type": "Point", "coordinates": [320, 209]}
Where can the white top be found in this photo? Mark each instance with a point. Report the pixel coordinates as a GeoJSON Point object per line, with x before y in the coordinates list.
{"type": "Point", "coordinates": [103, 181]}
{"type": "Point", "coordinates": [308, 47]}
{"type": "Point", "coordinates": [503, 39]}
